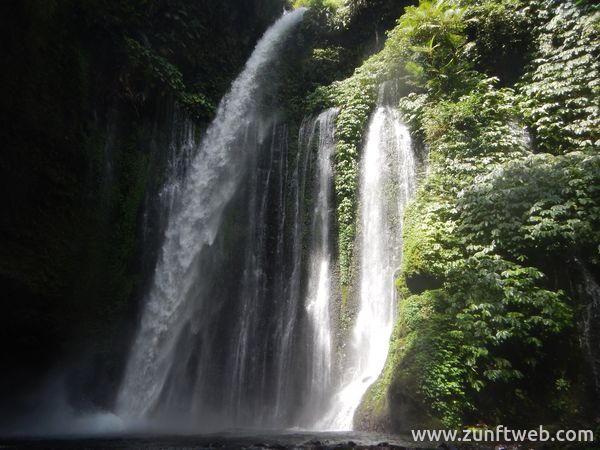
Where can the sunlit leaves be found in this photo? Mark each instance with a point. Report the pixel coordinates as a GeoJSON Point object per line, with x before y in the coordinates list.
{"type": "Point", "coordinates": [429, 39]}
{"type": "Point", "coordinates": [550, 203]}
{"type": "Point", "coordinates": [559, 95]}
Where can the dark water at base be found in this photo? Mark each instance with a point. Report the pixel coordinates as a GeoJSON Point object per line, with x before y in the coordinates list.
{"type": "Point", "coordinates": [223, 441]}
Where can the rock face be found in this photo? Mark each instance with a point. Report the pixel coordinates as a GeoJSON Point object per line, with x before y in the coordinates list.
{"type": "Point", "coordinates": [393, 403]}
{"type": "Point", "coordinates": [399, 412]}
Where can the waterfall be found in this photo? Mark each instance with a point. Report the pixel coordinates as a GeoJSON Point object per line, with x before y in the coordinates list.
{"type": "Point", "coordinates": [236, 329]}
{"type": "Point", "coordinates": [387, 182]}
{"type": "Point", "coordinates": [258, 383]}
{"type": "Point", "coordinates": [205, 309]}
{"type": "Point", "coordinates": [318, 297]}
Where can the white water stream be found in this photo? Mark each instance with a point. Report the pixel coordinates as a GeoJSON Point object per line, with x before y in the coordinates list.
{"type": "Point", "coordinates": [318, 298]}
{"type": "Point", "coordinates": [387, 182]}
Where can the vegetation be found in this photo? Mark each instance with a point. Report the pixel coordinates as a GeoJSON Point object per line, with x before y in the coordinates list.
{"type": "Point", "coordinates": [559, 91]}
{"type": "Point", "coordinates": [502, 95]}
{"type": "Point", "coordinates": [316, 4]}
{"type": "Point", "coordinates": [484, 308]}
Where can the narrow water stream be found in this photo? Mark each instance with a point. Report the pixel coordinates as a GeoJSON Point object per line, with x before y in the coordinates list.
{"type": "Point", "coordinates": [387, 182]}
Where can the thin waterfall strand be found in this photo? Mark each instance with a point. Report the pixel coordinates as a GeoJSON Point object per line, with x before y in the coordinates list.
{"type": "Point", "coordinates": [387, 183]}
{"type": "Point", "coordinates": [318, 298]}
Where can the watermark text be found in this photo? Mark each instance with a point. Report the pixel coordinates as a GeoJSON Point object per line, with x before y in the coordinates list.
{"type": "Point", "coordinates": [502, 434]}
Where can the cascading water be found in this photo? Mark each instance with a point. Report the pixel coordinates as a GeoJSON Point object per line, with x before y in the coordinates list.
{"type": "Point", "coordinates": [236, 329]}
{"type": "Point", "coordinates": [387, 182]}
{"type": "Point", "coordinates": [318, 297]}
{"type": "Point", "coordinates": [191, 353]}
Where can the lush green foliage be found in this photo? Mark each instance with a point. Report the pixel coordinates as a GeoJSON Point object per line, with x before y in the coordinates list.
{"type": "Point", "coordinates": [500, 36]}
{"type": "Point", "coordinates": [467, 137]}
{"type": "Point", "coordinates": [548, 205]}
{"type": "Point", "coordinates": [499, 307]}
{"type": "Point", "coordinates": [560, 92]}
{"type": "Point", "coordinates": [429, 39]}
{"type": "Point", "coordinates": [482, 310]}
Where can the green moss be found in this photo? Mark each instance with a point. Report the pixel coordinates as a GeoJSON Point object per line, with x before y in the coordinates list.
{"type": "Point", "coordinates": [423, 367]}
{"type": "Point", "coordinates": [356, 98]}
